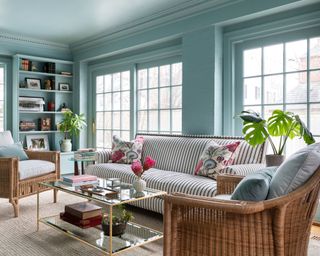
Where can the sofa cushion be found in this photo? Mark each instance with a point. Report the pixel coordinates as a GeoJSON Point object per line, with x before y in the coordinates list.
{"type": "Point", "coordinates": [295, 171]}
{"type": "Point", "coordinates": [34, 168]}
{"type": "Point", "coordinates": [255, 186]}
{"type": "Point", "coordinates": [158, 179]}
{"type": "Point", "coordinates": [223, 197]}
{"type": "Point", "coordinates": [6, 138]}
{"type": "Point", "coordinates": [126, 151]}
{"type": "Point", "coordinates": [13, 150]}
{"type": "Point", "coordinates": [215, 158]}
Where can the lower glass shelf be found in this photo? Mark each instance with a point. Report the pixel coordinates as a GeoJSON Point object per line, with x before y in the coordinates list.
{"type": "Point", "coordinates": [135, 235]}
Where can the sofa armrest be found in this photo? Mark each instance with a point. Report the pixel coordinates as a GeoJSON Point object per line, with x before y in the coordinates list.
{"type": "Point", "coordinates": [227, 183]}
{"type": "Point", "coordinates": [8, 176]}
{"type": "Point", "coordinates": [103, 156]}
{"type": "Point", "coordinates": [242, 169]}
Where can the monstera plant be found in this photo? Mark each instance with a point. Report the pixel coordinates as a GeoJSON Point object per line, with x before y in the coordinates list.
{"type": "Point", "coordinates": [283, 124]}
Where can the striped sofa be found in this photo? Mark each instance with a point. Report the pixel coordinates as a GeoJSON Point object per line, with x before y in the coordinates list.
{"type": "Point", "coordinates": [176, 158]}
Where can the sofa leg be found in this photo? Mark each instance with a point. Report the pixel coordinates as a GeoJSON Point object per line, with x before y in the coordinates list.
{"type": "Point", "coordinates": [55, 195]}
{"type": "Point", "coordinates": [15, 204]}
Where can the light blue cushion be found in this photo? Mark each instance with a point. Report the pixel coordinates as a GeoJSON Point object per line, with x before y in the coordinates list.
{"type": "Point", "coordinates": [255, 186]}
{"type": "Point", "coordinates": [13, 150]}
{"type": "Point", "coordinates": [295, 171]}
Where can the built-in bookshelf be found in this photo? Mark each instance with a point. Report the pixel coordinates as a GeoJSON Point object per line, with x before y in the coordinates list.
{"type": "Point", "coordinates": [46, 81]}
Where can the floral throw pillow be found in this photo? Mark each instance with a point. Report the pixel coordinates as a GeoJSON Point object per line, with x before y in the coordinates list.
{"type": "Point", "coordinates": [126, 151]}
{"type": "Point", "coordinates": [215, 158]}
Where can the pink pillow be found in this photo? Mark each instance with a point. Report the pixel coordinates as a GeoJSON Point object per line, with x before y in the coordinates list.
{"type": "Point", "coordinates": [214, 158]}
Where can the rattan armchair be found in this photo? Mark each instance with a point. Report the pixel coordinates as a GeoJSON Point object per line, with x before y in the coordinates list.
{"type": "Point", "coordinates": [13, 188]}
{"type": "Point", "coordinates": [198, 226]}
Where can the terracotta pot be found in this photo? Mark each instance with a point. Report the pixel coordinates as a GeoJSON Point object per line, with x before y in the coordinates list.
{"type": "Point", "coordinates": [274, 160]}
{"type": "Point", "coordinates": [117, 229]}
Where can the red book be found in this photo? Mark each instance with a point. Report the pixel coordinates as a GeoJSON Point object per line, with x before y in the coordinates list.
{"type": "Point", "coordinates": [88, 223]}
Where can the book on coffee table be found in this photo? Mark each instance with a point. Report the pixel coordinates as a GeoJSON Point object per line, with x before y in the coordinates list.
{"type": "Point", "coordinates": [83, 210]}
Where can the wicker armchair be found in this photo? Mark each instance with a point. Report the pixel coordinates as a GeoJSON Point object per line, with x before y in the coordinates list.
{"type": "Point", "coordinates": [13, 188]}
{"type": "Point", "coordinates": [207, 226]}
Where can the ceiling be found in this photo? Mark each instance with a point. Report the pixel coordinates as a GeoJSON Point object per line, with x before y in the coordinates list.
{"type": "Point", "coordinates": [69, 21]}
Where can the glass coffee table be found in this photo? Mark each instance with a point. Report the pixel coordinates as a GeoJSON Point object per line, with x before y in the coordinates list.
{"type": "Point", "coordinates": [135, 234]}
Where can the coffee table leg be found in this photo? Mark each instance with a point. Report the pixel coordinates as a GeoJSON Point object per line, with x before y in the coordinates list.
{"type": "Point", "coordinates": [110, 231]}
{"type": "Point", "coordinates": [38, 215]}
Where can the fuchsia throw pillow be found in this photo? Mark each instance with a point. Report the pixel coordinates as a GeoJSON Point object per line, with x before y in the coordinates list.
{"type": "Point", "coordinates": [215, 158]}
{"type": "Point", "coordinates": [126, 151]}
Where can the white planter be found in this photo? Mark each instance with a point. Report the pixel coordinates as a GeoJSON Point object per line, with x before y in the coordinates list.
{"type": "Point", "coordinates": [65, 145]}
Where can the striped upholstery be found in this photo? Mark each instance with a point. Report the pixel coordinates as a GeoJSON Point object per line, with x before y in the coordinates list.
{"type": "Point", "coordinates": [177, 156]}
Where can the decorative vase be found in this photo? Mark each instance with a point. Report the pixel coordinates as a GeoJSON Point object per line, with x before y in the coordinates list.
{"type": "Point", "coordinates": [65, 145]}
{"type": "Point", "coordinates": [274, 160]}
{"type": "Point", "coordinates": [117, 229]}
{"type": "Point", "coordinates": [139, 185]}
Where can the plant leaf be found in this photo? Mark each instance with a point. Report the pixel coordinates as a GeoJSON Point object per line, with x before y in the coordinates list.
{"type": "Point", "coordinates": [280, 123]}
{"type": "Point", "coordinates": [250, 116]}
{"type": "Point", "coordinates": [304, 131]}
{"type": "Point", "coordinates": [255, 133]}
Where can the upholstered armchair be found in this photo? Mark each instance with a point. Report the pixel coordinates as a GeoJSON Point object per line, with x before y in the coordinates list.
{"type": "Point", "coordinates": [207, 226]}
{"type": "Point", "coordinates": [19, 179]}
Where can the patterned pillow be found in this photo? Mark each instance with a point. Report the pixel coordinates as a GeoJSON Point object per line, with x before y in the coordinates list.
{"type": "Point", "coordinates": [215, 158]}
{"type": "Point", "coordinates": [126, 151]}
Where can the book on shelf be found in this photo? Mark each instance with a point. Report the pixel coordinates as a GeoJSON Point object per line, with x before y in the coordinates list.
{"type": "Point", "coordinates": [88, 223]}
{"type": "Point", "coordinates": [83, 210]}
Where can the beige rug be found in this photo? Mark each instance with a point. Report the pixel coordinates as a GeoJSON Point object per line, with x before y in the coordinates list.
{"type": "Point", "coordinates": [18, 236]}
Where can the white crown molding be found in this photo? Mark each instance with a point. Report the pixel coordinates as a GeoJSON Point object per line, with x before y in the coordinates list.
{"type": "Point", "coordinates": [32, 42]}
{"type": "Point", "coordinates": [176, 13]}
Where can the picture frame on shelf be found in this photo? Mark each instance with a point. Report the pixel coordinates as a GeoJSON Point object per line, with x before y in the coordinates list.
{"type": "Point", "coordinates": [64, 87]}
{"type": "Point", "coordinates": [45, 124]}
{"type": "Point", "coordinates": [33, 83]}
{"type": "Point", "coordinates": [38, 142]}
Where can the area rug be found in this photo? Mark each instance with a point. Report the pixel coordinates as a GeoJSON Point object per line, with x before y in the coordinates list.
{"type": "Point", "coordinates": [19, 235]}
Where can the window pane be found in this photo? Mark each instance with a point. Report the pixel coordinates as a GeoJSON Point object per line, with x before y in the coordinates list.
{"type": "Point", "coordinates": [142, 99]}
{"type": "Point", "coordinates": [176, 74]}
{"type": "Point", "coordinates": [256, 109]}
{"type": "Point", "coordinates": [165, 120]}
{"type": "Point", "coordinates": [299, 109]}
{"type": "Point", "coordinates": [116, 101]}
{"type": "Point", "coordinates": [153, 77]}
{"type": "Point", "coordinates": [315, 52]}
{"type": "Point", "coordinates": [315, 119]}
{"type": "Point", "coordinates": [273, 59]}
{"type": "Point", "coordinates": [125, 135]}
{"type": "Point", "coordinates": [125, 120]}
{"type": "Point", "coordinates": [296, 87]}
{"type": "Point", "coordinates": [107, 139]}
{"type": "Point", "coordinates": [269, 109]}
{"type": "Point", "coordinates": [99, 138]}
{"type": "Point", "coordinates": [107, 120]}
{"type": "Point", "coordinates": [252, 91]}
{"type": "Point", "coordinates": [108, 101]}
{"type": "Point", "coordinates": [142, 79]}
{"type": "Point", "coordinates": [142, 121]}
{"type": "Point", "coordinates": [165, 75]}
{"type": "Point", "coordinates": [99, 104]}
{"type": "Point", "coordinates": [252, 62]}
{"type": "Point", "coordinates": [296, 55]}
{"type": "Point", "coordinates": [165, 98]}
{"type": "Point", "coordinates": [116, 82]}
{"type": "Point", "coordinates": [125, 80]}
{"type": "Point", "coordinates": [176, 120]}
{"type": "Point", "coordinates": [273, 89]}
{"type": "Point", "coordinates": [107, 83]}
{"type": "Point", "coordinates": [153, 120]}
{"type": "Point", "coordinates": [177, 97]}
{"type": "Point", "coordinates": [116, 121]}
{"type": "Point", "coordinates": [153, 99]}
{"type": "Point", "coordinates": [99, 118]}
{"type": "Point", "coordinates": [125, 100]}
{"type": "Point", "coordinates": [99, 84]}
{"type": "Point", "coordinates": [315, 86]}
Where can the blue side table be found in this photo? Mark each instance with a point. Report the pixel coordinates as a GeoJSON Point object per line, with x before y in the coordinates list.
{"type": "Point", "coordinates": [82, 161]}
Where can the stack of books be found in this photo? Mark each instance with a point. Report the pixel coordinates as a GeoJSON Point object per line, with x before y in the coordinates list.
{"type": "Point", "coordinates": [83, 215]}
{"type": "Point", "coordinates": [88, 154]}
{"type": "Point", "coordinates": [79, 180]}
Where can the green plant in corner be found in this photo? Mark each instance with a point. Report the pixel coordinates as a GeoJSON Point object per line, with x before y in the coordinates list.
{"type": "Point", "coordinates": [283, 124]}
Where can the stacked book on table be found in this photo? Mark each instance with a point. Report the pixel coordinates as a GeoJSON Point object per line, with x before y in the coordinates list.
{"type": "Point", "coordinates": [83, 215]}
{"type": "Point", "coordinates": [88, 154]}
{"type": "Point", "coordinates": [79, 180]}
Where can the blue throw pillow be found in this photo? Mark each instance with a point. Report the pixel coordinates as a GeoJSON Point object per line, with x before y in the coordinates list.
{"type": "Point", "coordinates": [255, 186]}
{"type": "Point", "coordinates": [13, 150]}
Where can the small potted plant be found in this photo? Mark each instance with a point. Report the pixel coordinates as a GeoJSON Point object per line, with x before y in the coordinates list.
{"type": "Point", "coordinates": [119, 221]}
{"type": "Point", "coordinates": [282, 124]}
{"type": "Point", "coordinates": [71, 124]}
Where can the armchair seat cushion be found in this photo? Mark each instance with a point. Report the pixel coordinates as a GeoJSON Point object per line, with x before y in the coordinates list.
{"type": "Point", "coordinates": [33, 168]}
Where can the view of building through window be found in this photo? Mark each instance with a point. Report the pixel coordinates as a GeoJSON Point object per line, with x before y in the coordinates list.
{"type": "Point", "coordinates": [1, 98]}
{"type": "Point", "coordinates": [159, 99]}
{"type": "Point", "coordinates": [112, 108]}
{"type": "Point", "coordinates": [285, 76]}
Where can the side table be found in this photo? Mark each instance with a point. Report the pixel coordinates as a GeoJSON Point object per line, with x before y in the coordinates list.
{"type": "Point", "coordinates": [82, 161]}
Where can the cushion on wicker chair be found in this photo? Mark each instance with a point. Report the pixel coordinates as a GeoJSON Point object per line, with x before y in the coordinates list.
{"type": "Point", "coordinates": [255, 186]}
{"type": "Point", "coordinates": [34, 168]}
{"type": "Point", "coordinates": [13, 150]}
{"type": "Point", "coordinates": [295, 171]}
{"type": "Point", "coordinates": [6, 138]}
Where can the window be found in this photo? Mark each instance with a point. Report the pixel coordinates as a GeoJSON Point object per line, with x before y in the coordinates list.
{"type": "Point", "coordinates": [284, 76]}
{"type": "Point", "coordinates": [1, 98]}
{"type": "Point", "coordinates": [159, 98]}
{"type": "Point", "coordinates": [112, 108]}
